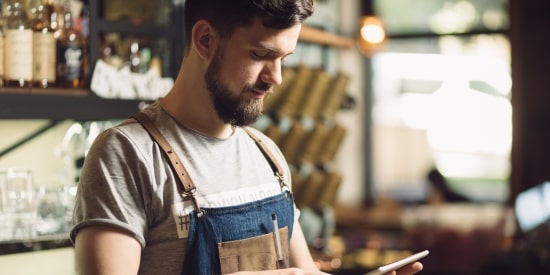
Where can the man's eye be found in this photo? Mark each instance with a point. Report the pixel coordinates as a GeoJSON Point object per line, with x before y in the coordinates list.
{"type": "Point", "coordinates": [259, 55]}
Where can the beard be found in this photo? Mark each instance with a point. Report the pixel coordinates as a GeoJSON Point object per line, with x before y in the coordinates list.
{"type": "Point", "coordinates": [235, 110]}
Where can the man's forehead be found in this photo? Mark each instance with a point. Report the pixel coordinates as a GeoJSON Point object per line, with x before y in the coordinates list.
{"type": "Point", "coordinates": [270, 38]}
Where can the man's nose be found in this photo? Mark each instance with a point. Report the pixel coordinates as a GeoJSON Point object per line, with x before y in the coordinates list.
{"type": "Point", "coordinates": [272, 73]}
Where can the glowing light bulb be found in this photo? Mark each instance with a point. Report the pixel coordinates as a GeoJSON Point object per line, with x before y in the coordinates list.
{"type": "Point", "coordinates": [371, 35]}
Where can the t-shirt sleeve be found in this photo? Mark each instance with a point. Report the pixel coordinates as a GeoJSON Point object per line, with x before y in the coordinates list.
{"type": "Point", "coordinates": [111, 190]}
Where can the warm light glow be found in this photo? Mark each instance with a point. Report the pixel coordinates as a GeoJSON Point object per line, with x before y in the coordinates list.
{"type": "Point", "coordinates": [371, 34]}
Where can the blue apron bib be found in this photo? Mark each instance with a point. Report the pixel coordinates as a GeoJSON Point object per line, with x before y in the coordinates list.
{"type": "Point", "coordinates": [232, 223]}
{"type": "Point", "coordinates": [209, 228]}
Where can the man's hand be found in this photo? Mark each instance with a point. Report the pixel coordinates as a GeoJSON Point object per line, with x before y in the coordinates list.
{"type": "Point", "coordinates": [408, 269]}
{"type": "Point", "coordinates": [288, 271]}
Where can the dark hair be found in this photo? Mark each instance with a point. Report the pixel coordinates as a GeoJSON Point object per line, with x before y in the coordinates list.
{"type": "Point", "coordinates": [227, 15]}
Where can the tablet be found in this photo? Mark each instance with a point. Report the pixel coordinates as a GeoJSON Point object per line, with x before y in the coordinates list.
{"type": "Point", "coordinates": [399, 264]}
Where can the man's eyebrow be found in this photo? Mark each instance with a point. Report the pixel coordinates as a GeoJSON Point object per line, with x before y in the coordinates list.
{"type": "Point", "coordinates": [264, 47]}
{"type": "Point", "coordinates": [272, 50]}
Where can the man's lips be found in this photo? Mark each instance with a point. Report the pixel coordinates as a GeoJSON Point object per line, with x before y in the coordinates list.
{"type": "Point", "coordinates": [259, 93]}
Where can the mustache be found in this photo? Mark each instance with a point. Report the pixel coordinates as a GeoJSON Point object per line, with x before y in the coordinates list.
{"type": "Point", "coordinates": [263, 86]}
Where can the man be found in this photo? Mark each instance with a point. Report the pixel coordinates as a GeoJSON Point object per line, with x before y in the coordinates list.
{"type": "Point", "coordinates": [440, 190]}
{"type": "Point", "coordinates": [224, 205]}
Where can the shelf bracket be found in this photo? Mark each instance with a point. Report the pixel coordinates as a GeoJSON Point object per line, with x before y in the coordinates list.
{"type": "Point", "coordinates": [29, 137]}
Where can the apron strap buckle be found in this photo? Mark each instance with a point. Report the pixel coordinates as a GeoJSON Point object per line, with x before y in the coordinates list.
{"type": "Point", "coordinates": [190, 195]}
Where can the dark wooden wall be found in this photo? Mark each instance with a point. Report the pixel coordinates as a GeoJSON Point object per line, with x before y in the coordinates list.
{"type": "Point", "coordinates": [530, 40]}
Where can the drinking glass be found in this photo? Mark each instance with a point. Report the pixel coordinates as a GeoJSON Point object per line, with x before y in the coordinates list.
{"type": "Point", "coordinates": [19, 209]}
{"type": "Point", "coordinates": [6, 226]}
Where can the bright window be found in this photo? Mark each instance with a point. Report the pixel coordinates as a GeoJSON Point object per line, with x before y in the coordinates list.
{"type": "Point", "coordinates": [443, 101]}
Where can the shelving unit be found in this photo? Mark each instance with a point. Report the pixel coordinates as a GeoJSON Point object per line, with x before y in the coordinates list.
{"type": "Point", "coordinates": [82, 104]}
{"type": "Point", "coordinates": [55, 104]}
{"type": "Point", "coordinates": [173, 32]}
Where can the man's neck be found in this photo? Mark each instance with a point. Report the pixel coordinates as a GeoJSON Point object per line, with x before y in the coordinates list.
{"type": "Point", "coordinates": [196, 115]}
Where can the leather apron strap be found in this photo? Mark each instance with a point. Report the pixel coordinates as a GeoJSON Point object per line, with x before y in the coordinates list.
{"type": "Point", "coordinates": [275, 166]}
{"type": "Point", "coordinates": [178, 167]}
{"type": "Point", "coordinates": [269, 156]}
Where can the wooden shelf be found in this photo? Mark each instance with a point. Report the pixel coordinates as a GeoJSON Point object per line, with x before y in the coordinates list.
{"type": "Point", "coordinates": [44, 91]}
{"type": "Point", "coordinates": [60, 104]}
{"type": "Point", "coordinates": [317, 36]}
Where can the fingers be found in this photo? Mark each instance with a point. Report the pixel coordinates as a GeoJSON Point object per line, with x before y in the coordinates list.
{"type": "Point", "coordinates": [410, 269]}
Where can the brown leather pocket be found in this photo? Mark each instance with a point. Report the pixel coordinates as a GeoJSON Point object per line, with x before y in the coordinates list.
{"type": "Point", "coordinates": [252, 254]}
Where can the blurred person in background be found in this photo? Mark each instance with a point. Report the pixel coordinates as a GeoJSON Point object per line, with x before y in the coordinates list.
{"type": "Point", "coordinates": [440, 190]}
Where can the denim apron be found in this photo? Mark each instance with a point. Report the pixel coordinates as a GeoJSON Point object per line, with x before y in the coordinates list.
{"type": "Point", "coordinates": [225, 224]}
{"type": "Point", "coordinates": [249, 227]}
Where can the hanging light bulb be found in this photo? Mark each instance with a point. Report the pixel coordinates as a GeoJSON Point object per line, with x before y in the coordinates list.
{"type": "Point", "coordinates": [371, 35]}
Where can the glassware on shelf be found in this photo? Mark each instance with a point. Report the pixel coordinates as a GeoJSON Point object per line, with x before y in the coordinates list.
{"type": "Point", "coordinates": [29, 212]}
{"type": "Point", "coordinates": [19, 209]}
{"type": "Point", "coordinates": [54, 206]}
{"type": "Point", "coordinates": [5, 225]}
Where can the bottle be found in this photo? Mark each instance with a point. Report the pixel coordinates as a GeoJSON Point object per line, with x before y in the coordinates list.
{"type": "Point", "coordinates": [44, 51]}
{"type": "Point", "coordinates": [146, 58]}
{"type": "Point", "coordinates": [83, 21]}
{"type": "Point", "coordinates": [70, 53]}
{"type": "Point", "coordinates": [56, 17]}
{"type": "Point", "coordinates": [84, 27]}
{"type": "Point", "coordinates": [135, 57]}
{"type": "Point", "coordinates": [109, 51]}
{"type": "Point", "coordinates": [139, 58]}
{"type": "Point", "coordinates": [17, 47]}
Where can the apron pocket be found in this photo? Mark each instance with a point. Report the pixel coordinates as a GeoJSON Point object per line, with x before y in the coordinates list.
{"type": "Point", "coordinates": [252, 254]}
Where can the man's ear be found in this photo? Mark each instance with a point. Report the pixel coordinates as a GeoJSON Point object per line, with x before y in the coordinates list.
{"type": "Point", "coordinates": [202, 39]}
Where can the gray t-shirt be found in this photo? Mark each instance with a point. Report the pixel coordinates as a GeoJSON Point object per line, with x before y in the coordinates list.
{"type": "Point", "coordinates": [126, 182]}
